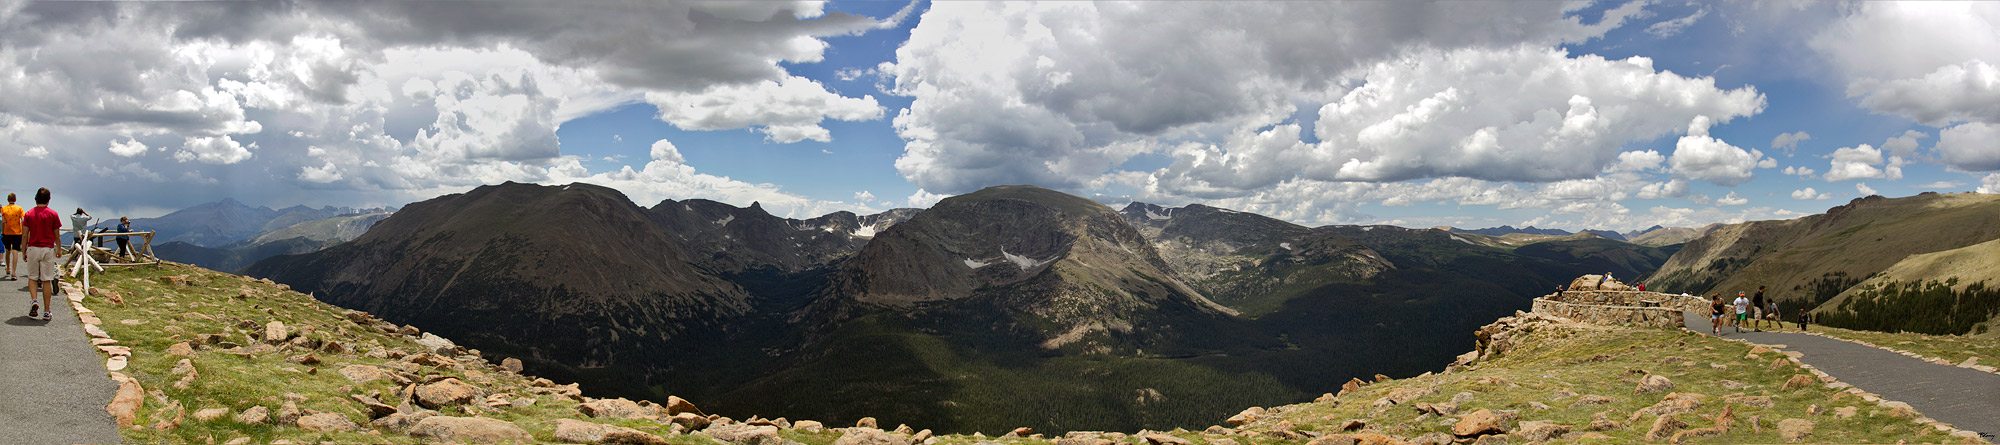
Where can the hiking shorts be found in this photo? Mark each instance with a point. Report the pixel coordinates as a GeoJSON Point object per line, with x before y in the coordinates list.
{"type": "Point", "coordinates": [41, 263]}
{"type": "Point", "coordinates": [1740, 316]}
{"type": "Point", "coordinates": [11, 242]}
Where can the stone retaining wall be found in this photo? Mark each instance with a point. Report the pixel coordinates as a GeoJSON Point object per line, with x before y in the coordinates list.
{"type": "Point", "coordinates": [1628, 308]}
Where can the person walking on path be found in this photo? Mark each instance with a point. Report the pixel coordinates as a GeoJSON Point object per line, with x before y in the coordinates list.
{"type": "Point", "coordinates": [1757, 309]}
{"type": "Point", "coordinates": [44, 229]}
{"type": "Point", "coordinates": [10, 235]}
{"type": "Point", "coordinates": [1742, 311]}
{"type": "Point", "coordinates": [1715, 314]}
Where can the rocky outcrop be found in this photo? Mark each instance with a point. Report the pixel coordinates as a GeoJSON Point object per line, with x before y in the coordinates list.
{"type": "Point", "coordinates": [470, 430]}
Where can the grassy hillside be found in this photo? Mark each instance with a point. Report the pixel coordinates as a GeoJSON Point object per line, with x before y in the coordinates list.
{"type": "Point", "coordinates": [1574, 375]}
{"type": "Point", "coordinates": [1811, 259]}
{"type": "Point", "coordinates": [1948, 292]}
{"type": "Point", "coordinates": [1545, 378]}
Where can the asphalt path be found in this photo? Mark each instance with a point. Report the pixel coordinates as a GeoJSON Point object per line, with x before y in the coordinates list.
{"type": "Point", "coordinates": [53, 386]}
{"type": "Point", "coordinates": [1966, 398]}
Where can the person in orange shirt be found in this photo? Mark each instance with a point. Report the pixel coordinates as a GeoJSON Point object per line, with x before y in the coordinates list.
{"type": "Point", "coordinates": [10, 234]}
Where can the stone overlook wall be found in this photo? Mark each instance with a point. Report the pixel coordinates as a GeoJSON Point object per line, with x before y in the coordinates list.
{"type": "Point", "coordinates": [1600, 300]}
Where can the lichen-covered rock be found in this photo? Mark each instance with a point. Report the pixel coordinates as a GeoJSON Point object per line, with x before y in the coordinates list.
{"type": "Point", "coordinates": [327, 422]}
{"type": "Point", "coordinates": [1538, 431]}
{"type": "Point", "coordinates": [1479, 423]}
{"type": "Point", "coordinates": [1794, 430]}
{"type": "Point", "coordinates": [470, 430]}
{"type": "Point", "coordinates": [254, 415]}
{"type": "Point", "coordinates": [615, 409]}
{"type": "Point", "coordinates": [861, 435]}
{"type": "Point", "coordinates": [445, 392]}
{"type": "Point", "coordinates": [275, 332]}
{"type": "Point", "coordinates": [1654, 383]}
{"type": "Point", "coordinates": [124, 406]}
{"type": "Point", "coordinates": [576, 431]}
{"type": "Point", "coordinates": [1664, 428]}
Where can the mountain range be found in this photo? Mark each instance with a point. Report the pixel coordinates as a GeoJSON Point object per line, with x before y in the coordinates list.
{"type": "Point", "coordinates": [1006, 307]}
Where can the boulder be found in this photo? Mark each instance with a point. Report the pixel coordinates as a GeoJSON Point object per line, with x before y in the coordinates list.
{"type": "Point", "coordinates": [742, 434]}
{"type": "Point", "coordinates": [255, 415]}
{"type": "Point", "coordinates": [810, 426]}
{"type": "Point", "coordinates": [1845, 412]}
{"type": "Point", "coordinates": [401, 422]}
{"type": "Point", "coordinates": [677, 405]}
{"type": "Point", "coordinates": [861, 435]}
{"type": "Point", "coordinates": [511, 364]}
{"type": "Point", "coordinates": [470, 430]}
{"type": "Point", "coordinates": [1654, 383]}
{"type": "Point", "coordinates": [1164, 439]}
{"type": "Point", "coordinates": [327, 422]}
{"type": "Point", "coordinates": [376, 409]}
{"type": "Point", "coordinates": [181, 349]}
{"type": "Point", "coordinates": [275, 332]}
{"type": "Point", "coordinates": [207, 414]}
{"type": "Point", "coordinates": [692, 422]}
{"type": "Point", "coordinates": [287, 414]}
{"type": "Point", "coordinates": [867, 422]}
{"type": "Point", "coordinates": [1794, 430]}
{"type": "Point", "coordinates": [435, 344]}
{"type": "Point", "coordinates": [363, 373]}
{"type": "Point", "coordinates": [124, 406]}
{"type": "Point", "coordinates": [445, 392]}
{"type": "Point", "coordinates": [1246, 416]}
{"type": "Point", "coordinates": [1664, 428]}
{"type": "Point", "coordinates": [1479, 423]}
{"type": "Point", "coordinates": [1799, 381]}
{"type": "Point", "coordinates": [576, 431]}
{"type": "Point", "coordinates": [615, 409]}
{"type": "Point", "coordinates": [1675, 403]}
{"type": "Point", "coordinates": [634, 437]}
{"type": "Point", "coordinates": [1540, 431]}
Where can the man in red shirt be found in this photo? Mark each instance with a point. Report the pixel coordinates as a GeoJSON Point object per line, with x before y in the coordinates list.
{"type": "Point", "coordinates": [44, 229]}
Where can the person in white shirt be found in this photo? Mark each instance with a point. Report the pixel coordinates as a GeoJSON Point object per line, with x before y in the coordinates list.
{"type": "Point", "coordinates": [1742, 311]}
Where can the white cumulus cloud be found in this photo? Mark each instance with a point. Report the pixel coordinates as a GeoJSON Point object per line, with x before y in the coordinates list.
{"type": "Point", "coordinates": [1990, 184]}
{"type": "Point", "coordinates": [213, 150]}
{"type": "Point", "coordinates": [1702, 157]}
{"type": "Point", "coordinates": [1790, 141]}
{"type": "Point", "coordinates": [129, 148]}
{"type": "Point", "coordinates": [322, 174]}
{"type": "Point", "coordinates": [1809, 194]}
{"type": "Point", "coordinates": [1731, 200]}
{"type": "Point", "coordinates": [1864, 188]}
{"type": "Point", "coordinates": [1970, 146]}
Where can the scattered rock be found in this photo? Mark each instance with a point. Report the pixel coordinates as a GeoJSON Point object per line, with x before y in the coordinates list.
{"type": "Point", "coordinates": [576, 431]}
{"type": "Point", "coordinates": [1750, 401]}
{"type": "Point", "coordinates": [436, 344]}
{"type": "Point", "coordinates": [866, 422]}
{"type": "Point", "coordinates": [470, 430]}
{"type": "Point", "coordinates": [181, 349]}
{"type": "Point", "coordinates": [862, 435]}
{"type": "Point", "coordinates": [401, 422]}
{"type": "Point", "coordinates": [1538, 431]}
{"type": "Point", "coordinates": [376, 409]}
{"type": "Point", "coordinates": [363, 373]}
{"type": "Point", "coordinates": [1845, 412]}
{"type": "Point", "coordinates": [1654, 383]}
{"type": "Point", "coordinates": [303, 359]}
{"type": "Point", "coordinates": [1441, 409]}
{"type": "Point", "coordinates": [676, 405]}
{"type": "Point", "coordinates": [511, 365]}
{"type": "Point", "coordinates": [207, 414]}
{"type": "Point", "coordinates": [1799, 381]}
{"type": "Point", "coordinates": [115, 363]}
{"type": "Point", "coordinates": [327, 422]}
{"type": "Point", "coordinates": [614, 408]}
{"type": "Point", "coordinates": [810, 426]}
{"type": "Point", "coordinates": [255, 415]}
{"type": "Point", "coordinates": [1163, 439]}
{"type": "Point", "coordinates": [275, 332]}
{"type": "Point", "coordinates": [287, 414]}
{"type": "Point", "coordinates": [1664, 428]}
{"type": "Point", "coordinates": [1352, 385]}
{"type": "Point", "coordinates": [1794, 430]}
{"type": "Point", "coordinates": [743, 434]}
{"type": "Point", "coordinates": [1248, 415]}
{"type": "Point", "coordinates": [1675, 403]}
{"type": "Point", "coordinates": [691, 422]}
{"type": "Point", "coordinates": [1351, 425]}
{"type": "Point", "coordinates": [1592, 399]}
{"type": "Point", "coordinates": [125, 404]}
{"type": "Point", "coordinates": [633, 437]}
{"type": "Point", "coordinates": [1479, 422]}
{"type": "Point", "coordinates": [445, 392]}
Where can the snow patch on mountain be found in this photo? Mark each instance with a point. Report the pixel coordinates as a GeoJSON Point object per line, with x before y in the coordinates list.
{"type": "Point", "coordinates": [1158, 217]}
{"type": "Point", "coordinates": [1025, 262]}
{"type": "Point", "coordinates": [969, 263]}
{"type": "Point", "coordinates": [724, 222]}
{"type": "Point", "coordinates": [1286, 246]}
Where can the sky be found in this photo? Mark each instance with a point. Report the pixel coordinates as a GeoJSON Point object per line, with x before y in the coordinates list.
{"type": "Point", "coordinates": [1601, 115]}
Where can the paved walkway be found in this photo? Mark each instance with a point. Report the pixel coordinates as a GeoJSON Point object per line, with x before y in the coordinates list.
{"type": "Point", "coordinates": [52, 382]}
{"type": "Point", "coordinates": [1966, 398]}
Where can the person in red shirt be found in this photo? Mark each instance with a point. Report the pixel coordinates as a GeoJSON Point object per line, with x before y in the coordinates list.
{"type": "Point", "coordinates": [44, 228]}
